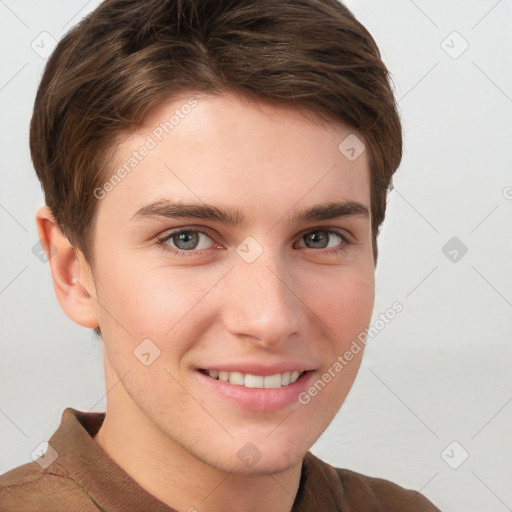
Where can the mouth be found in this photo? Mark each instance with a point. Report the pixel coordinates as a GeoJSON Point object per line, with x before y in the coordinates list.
{"type": "Point", "coordinates": [254, 386]}
{"type": "Point", "coordinates": [252, 381]}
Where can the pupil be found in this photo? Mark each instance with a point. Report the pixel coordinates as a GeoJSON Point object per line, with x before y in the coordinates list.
{"type": "Point", "coordinates": [186, 240]}
{"type": "Point", "coordinates": [315, 238]}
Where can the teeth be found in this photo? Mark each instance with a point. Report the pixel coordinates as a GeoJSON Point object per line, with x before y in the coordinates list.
{"type": "Point", "coordinates": [253, 381]}
{"type": "Point", "coordinates": [236, 378]}
{"type": "Point", "coordinates": [272, 381]}
{"type": "Point", "coordinates": [256, 381]}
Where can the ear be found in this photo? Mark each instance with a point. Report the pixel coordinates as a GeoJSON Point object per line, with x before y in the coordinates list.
{"type": "Point", "coordinates": [72, 276]}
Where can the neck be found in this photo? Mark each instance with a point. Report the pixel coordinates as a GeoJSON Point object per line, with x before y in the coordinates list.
{"type": "Point", "coordinates": [184, 482]}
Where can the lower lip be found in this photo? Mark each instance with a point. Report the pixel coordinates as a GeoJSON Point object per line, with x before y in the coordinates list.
{"type": "Point", "coordinates": [256, 399]}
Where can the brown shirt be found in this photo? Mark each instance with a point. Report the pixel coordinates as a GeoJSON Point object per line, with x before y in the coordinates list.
{"type": "Point", "coordinates": [83, 478]}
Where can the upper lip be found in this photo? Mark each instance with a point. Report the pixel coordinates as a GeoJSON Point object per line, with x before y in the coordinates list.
{"type": "Point", "coordinates": [254, 368]}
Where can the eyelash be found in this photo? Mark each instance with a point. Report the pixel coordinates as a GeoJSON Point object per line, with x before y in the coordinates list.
{"type": "Point", "coordinates": [162, 239]}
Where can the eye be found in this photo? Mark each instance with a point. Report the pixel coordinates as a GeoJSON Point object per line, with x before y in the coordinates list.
{"type": "Point", "coordinates": [325, 239]}
{"type": "Point", "coordinates": [191, 241]}
{"type": "Point", "coordinates": [186, 240]}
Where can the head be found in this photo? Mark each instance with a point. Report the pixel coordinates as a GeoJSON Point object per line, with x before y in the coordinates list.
{"type": "Point", "coordinates": [232, 120]}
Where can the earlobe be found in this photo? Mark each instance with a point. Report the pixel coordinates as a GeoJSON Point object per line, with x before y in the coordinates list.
{"type": "Point", "coordinates": [72, 277]}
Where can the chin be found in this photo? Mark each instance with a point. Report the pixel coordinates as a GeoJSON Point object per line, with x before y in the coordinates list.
{"type": "Point", "coordinates": [258, 458]}
{"type": "Point", "coordinates": [267, 464]}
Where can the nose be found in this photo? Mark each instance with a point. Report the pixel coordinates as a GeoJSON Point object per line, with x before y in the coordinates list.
{"type": "Point", "coordinates": [263, 302]}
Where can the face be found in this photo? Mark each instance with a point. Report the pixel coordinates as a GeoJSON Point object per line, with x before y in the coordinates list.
{"type": "Point", "coordinates": [221, 277]}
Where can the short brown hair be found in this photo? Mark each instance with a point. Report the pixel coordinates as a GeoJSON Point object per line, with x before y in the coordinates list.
{"type": "Point", "coordinates": [128, 56]}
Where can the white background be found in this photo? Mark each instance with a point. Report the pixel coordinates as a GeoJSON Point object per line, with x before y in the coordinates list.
{"type": "Point", "coordinates": [440, 371]}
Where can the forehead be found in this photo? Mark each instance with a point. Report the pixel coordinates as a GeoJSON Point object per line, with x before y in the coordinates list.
{"type": "Point", "coordinates": [228, 150]}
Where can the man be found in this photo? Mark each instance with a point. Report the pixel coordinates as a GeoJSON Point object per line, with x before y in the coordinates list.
{"type": "Point", "coordinates": [215, 177]}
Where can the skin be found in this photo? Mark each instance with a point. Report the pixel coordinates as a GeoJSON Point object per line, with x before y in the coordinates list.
{"type": "Point", "coordinates": [295, 302]}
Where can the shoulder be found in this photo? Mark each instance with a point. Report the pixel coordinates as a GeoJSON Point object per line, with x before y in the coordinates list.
{"type": "Point", "coordinates": [342, 489]}
{"type": "Point", "coordinates": [30, 487]}
{"type": "Point", "coordinates": [387, 495]}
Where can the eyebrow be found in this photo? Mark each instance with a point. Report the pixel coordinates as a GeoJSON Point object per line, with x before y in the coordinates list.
{"type": "Point", "coordinates": [235, 216]}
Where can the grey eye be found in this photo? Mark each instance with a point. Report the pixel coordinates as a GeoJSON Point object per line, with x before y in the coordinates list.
{"type": "Point", "coordinates": [188, 240]}
{"type": "Point", "coordinates": [320, 239]}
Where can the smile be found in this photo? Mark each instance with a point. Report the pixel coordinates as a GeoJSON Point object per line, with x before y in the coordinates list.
{"type": "Point", "coordinates": [255, 381]}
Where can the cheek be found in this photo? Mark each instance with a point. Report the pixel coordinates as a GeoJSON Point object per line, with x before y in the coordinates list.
{"type": "Point", "coordinates": [345, 304]}
{"type": "Point", "coordinates": [346, 307]}
{"type": "Point", "coordinates": [159, 303]}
